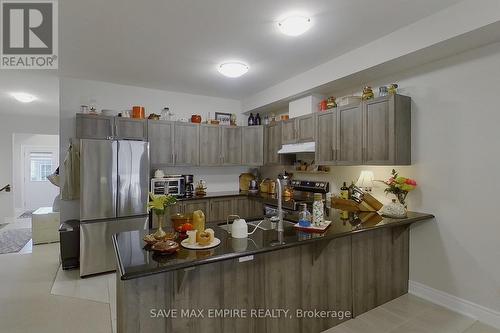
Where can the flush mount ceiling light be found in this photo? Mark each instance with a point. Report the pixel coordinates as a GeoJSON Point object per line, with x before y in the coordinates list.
{"type": "Point", "coordinates": [233, 69]}
{"type": "Point", "coordinates": [23, 97]}
{"type": "Point", "coordinates": [294, 25]}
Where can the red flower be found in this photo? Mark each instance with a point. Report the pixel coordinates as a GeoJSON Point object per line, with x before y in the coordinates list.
{"type": "Point", "coordinates": [411, 182]}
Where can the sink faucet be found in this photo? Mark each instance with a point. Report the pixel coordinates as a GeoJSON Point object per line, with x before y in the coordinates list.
{"type": "Point", "coordinates": [280, 205]}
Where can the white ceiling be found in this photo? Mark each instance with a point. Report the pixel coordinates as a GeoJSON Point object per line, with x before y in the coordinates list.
{"type": "Point", "coordinates": [43, 84]}
{"type": "Point", "coordinates": [176, 44]}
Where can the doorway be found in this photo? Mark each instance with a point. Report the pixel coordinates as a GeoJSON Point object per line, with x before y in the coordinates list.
{"type": "Point", "coordinates": [38, 164]}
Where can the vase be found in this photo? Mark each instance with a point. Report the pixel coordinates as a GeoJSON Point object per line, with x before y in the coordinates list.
{"type": "Point", "coordinates": [401, 198]}
{"type": "Point", "coordinates": [394, 210]}
{"type": "Point", "coordinates": [160, 233]}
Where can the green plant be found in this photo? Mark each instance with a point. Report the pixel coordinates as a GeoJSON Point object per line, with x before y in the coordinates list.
{"type": "Point", "coordinates": [158, 202]}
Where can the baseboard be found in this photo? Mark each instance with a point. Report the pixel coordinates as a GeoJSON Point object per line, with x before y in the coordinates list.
{"type": "Point", "coordinates": [467, 308]}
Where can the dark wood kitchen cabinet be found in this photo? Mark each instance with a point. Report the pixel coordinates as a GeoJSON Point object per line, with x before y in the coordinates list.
{"type": "Point", "coordinates": [252, 145]}
{"type": "Point", "coordinates": [210, 148]}
{"type": "Point", "coordinates": [326, 137]}
{"type": "Point", "coordinates": [300, 129]}
{"type": "Point", "coordinates": [94, 126]}
{"type": "Point", "coordinates": [221, 208]}
{"type": "Point", "coordinates": [186, 144]}
{"type": "Point", "coordinates": [350, 135]}
{"type": "Point", "coordinates": [387, 130]}
{"type": "Point", "coordinates": [288, 131]}
{"type": "Point", "coordinates": [231, 145]}
{"type": "Point", "coordinates": [131, 129]}
{"type": "Point", "coordinates": [161, 142]}
{"type": "Point", "coordinates": [272, 144]}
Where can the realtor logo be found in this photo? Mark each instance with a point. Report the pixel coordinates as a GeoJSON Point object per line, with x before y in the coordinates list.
{"type": "Point", "coordinates": [29, 34]}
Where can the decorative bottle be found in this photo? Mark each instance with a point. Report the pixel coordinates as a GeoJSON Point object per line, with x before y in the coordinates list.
{"type": "Point", "coordinates": [251, 120]}
{"type": "Point", "coordinates": [318, 210]}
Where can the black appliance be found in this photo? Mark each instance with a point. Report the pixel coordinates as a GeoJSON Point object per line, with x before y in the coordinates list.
{"type": "Point", "coordinates": [69, 242]}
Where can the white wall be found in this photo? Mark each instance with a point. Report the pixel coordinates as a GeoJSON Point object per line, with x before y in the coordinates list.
{"type": "Point", "coordinates": [105, 95]}
{"type": "Point", "coordinates": [9, 125]}
{"type": "Point", "coordinates": [19, 140]}
{"type": "Point", "coordinates": [455, 152]}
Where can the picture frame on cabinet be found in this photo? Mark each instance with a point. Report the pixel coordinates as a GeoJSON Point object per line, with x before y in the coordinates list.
{"type": "Point", "coordinates": [223, 118]}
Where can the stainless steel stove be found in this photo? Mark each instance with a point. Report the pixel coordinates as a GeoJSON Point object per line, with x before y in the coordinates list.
{"type": "Point", "coordinates": [303, 192]}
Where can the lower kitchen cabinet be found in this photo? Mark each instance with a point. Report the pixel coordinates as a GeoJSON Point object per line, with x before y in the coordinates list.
{"type": "Point", "coordinates": [221, 208]}
{"type": "Point", "coordinates": [189, 206]}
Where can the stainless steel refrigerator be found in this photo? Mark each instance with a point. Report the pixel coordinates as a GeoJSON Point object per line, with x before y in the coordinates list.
{"type": "Point", "coordinates": [114, 186]}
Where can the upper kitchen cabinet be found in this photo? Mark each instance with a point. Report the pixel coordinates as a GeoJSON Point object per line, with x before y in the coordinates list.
{"type": "Point", "coordinates": [210, 147]}
{"type": "Point", "coordinates": [131, 129]}
{"type": "Point", "coordinates": [231, 145]}
{"type": "Point", "coordinates": [288, 131]}
{"type": "Point", "coordinates": [300, 129]}
{"type": "Point", "coordinates": [326, 137]}
{"type": "Point", "coordinates": [252, 145]}
{"type": "Point", "coordinates": [161, 142]}
{"type": "Point", "coordinates": [305, 128]}
{"type": "Point", "coordinates": [350, 135]}
{"type": "Point", "coordinates": [186, 144]}
{"type": "Point", "coordinates": [272, 144]}
{"type": "Point", "coordinates": [387, 130]}
{"type": "Point", "coordinates": [94, 126]}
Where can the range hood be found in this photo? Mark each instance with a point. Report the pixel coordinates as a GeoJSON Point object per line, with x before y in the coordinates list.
{"type": "Point", "coordinates": [294, 148]}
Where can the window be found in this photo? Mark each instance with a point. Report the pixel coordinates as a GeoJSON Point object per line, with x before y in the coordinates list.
{"type": "Point", "coordinates": [40, 166]}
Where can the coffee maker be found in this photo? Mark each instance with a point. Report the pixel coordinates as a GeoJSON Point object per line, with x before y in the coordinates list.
{"type": "Point", "coordinates": [188, 186]}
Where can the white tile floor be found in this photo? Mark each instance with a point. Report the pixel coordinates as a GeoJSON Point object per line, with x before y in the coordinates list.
{"type": "Point", "coordinates": [36, 295]}
{"type": "Point", "coordinates": [410, 314]}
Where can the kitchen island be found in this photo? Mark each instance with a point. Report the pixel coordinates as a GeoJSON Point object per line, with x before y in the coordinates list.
{"type": "Point", "coordinates": [308, 283]}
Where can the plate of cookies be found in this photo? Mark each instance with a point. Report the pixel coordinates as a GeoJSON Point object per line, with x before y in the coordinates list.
{"type": "Point", "coordinates": [200, 240]}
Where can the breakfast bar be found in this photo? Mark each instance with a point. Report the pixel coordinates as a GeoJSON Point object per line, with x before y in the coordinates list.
{"type": "Point", "coordinates": [315, 281]}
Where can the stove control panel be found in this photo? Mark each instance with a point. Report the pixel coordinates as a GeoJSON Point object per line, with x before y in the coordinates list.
{"type": "Point", "coordinates": [310, 186]}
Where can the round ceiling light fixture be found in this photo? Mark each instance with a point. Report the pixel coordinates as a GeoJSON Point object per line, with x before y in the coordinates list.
{"type": "Point", "coordinates": [294, 25]}
{"type": "Point", "coordinates": [23, 97]}
{"type": "Point", "coordinates": [233, 69]}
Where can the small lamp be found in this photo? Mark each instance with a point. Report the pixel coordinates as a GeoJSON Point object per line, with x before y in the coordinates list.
{"type": "Point", "coordinates": [365, 180]}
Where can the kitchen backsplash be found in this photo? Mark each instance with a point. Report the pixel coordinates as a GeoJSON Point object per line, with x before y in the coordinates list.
{"type": "Point", "coordinates": [217, 178]}
{"type": "Point", "coordinates": [340, 174]}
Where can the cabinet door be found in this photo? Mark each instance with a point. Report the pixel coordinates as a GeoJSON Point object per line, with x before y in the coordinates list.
{"type": "Point", "coordinates": [379, 131]}
{"type": "Point", "coordinates": [131, 129]}
{"type": "Point", "coordinates": [189, 206]}
{"type": "Point", "coordinates": [305, 128]}
{"type": "Point", "coordinates": [210, 148]}
{"type": "Point", "coordinates": [231, 145]}
{"type": "Point", "coordinates": [326, 138]}
{"type": "Point", "coordinates": [350, 135]}
{"type": "Point", "coordinates": [256, 208]}
{"type": "Point", "coordinates": [242, 207]}
{"type": "Point", "coordinates": [253, 145]}
{"type": "Point", "coordinates": [288, 132]}
{"type": "Point", "coordinates": [94, 127]}
{"type": "Point", "coordinates": [272, 144]}
{"type": "Point", "coordinates": [220, 209]}
{"type": "Point", "coordinates": [186, 142]}
{"type": "Point", "coordinates": [161, 142]}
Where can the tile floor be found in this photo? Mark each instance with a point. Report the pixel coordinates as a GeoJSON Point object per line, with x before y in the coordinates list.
{"type": "Point", "coordinates": [410, 314]}
{"type": "Point", "coordinates": [36, 295]}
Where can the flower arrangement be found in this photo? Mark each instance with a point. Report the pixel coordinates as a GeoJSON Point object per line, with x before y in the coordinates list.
{"type": "Point", "coordinates": [159, 203]}
{"type": "Point", "coordinates": [399, 186]}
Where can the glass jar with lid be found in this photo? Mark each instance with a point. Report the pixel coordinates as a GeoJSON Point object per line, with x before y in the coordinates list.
{"type": "Point", "coordinates": [318, 210]}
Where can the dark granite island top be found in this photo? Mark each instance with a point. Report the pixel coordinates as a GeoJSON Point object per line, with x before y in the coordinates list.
{"type": "Point", "coordinates": [135, 261]}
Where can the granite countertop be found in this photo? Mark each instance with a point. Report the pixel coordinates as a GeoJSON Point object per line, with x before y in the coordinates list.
{"type": "Point", "coordinates": [135, 261]}
{"type": "Point", "coordinates": [211, 195]}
